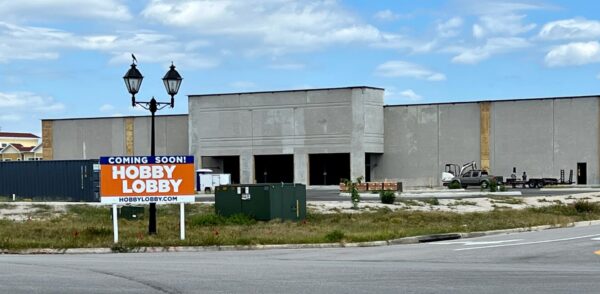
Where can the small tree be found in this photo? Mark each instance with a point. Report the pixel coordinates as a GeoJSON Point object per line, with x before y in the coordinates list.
{"type": "Point", "coordinates": [354, 195]}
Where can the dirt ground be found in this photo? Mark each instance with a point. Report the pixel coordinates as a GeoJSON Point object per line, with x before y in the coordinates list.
{"type": "Point", "coordinates": [22, 211]}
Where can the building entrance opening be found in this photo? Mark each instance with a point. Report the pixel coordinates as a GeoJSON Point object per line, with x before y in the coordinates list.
{"type": "Point", "coordinates": [274, 168]}
{"type": "Point", "coordinates": [328, 169]}
{"type": "Point", "coordinates": [223, 165]}
{"type": "Point", "coordinates": [582, 173]}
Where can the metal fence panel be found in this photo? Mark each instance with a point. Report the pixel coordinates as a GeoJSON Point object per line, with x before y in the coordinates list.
{"type": "Point", "coordinates": [53, 180]}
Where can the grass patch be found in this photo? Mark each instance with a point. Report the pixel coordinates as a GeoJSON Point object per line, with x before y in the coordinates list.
{"type": "Point", "coordinates": [410, 202]}
{"type": "Point", "coordinates": [431, 201]}
{"type": "Point", "coordinates": [91, 226]}
{"type": "Point", "coordinates": [42, 207]}
{"type": "Point", "coordinates": [7, 206]}
{"type": "Point", "coordinates": [462, 203]}
{"type": "Point", "coordinates": [507, 200]}
{"type": "Point", "coordinates": [335, 236]}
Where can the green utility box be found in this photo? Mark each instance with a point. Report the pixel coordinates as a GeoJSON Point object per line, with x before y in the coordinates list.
{"type": "Point", "coordinates": [262, 201]}
{"type": "Point", "coordinates": [131, 212]}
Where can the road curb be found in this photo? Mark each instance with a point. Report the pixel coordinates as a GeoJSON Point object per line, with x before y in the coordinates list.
{"type": "Point", "coordinates": [399, 241]}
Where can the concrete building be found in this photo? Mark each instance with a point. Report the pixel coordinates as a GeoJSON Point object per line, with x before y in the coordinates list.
{"type": "Point", "coordinates": [318, 136]}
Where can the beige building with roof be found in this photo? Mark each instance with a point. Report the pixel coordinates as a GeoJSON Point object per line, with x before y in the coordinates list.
{"type": "Point", "coordinates": [20, 146]}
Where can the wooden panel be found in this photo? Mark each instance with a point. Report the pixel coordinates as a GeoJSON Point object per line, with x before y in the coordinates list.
{"type": "Point", "coordinates": [129, 146]}
{"type": "Point", "coordinates": [484, 136]}
{"type": "Point", "coordinates": [47, 139]}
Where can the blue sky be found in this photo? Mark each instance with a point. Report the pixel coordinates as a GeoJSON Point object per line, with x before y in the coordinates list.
{"type": "Point", "coordinates": [62, 58]}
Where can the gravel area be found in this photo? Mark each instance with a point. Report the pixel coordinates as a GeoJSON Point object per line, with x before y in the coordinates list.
{"type": "Point", "coordinates": [22, 211]}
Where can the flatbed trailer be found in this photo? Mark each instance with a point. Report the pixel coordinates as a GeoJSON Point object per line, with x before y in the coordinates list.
{"type": "Point", "coordinates": [532, 183]}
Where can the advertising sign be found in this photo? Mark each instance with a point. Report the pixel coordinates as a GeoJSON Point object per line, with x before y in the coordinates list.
{"type": "Point", "coordinates": [147, 179]}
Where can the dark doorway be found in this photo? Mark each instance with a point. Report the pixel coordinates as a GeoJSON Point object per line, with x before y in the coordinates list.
{"type": "Point", "coordinates": [274, 168]}
{"type": "Point", "coordinates": [582, 173]}
{"type": "Point", "coordinates": [367, 167]}
{"type": "Point", "coordinates": [223, 165]}
{"type": "Point", "coordinates": [328, 169]}
{"type": "Point", "coordinates": [231, 165]}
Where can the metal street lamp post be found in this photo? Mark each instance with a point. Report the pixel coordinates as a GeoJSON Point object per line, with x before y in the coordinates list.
{"type": "Point", "coordinates": [133, 80]}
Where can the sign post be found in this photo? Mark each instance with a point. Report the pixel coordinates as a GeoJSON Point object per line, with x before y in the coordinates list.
{"type": "Point", "coordinates": [115, 224]}
{"type": "Point", "coordinates": [182, 221]}
{"type": "Point", "coordinates": [145, 180]}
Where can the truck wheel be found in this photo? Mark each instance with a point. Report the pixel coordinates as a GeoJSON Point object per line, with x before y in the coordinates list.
{"type": "Point", "coordinates": [532, 185]}
{"type": "Point", "coordinates": [485, 184]}
{"type": "Point", "coordinates": [540, 184]}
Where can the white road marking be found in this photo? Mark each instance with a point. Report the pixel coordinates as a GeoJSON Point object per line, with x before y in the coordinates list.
{"type": "Point", "coordinates": [595, 239]}
{"type": "Point", "coordinates": [472, 243]}
{"type": "Point", "coordinates": [528, 243]}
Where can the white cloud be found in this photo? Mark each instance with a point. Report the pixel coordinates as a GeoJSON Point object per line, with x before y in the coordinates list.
{"type": "Point", "coordinates": [279, 25]}
{"type": "Point", "coordinates": [450, 27]}
{"type": "Point", "coordinates": [492, 46]}
{"type": "Point", "coordinates": [31, 43]}
{"type": "Point", "coordinates": [60, 9]}
{"type": "Point", "coordinates": [26, 103]}
{"type": "Point", "coordinates": [570, 29]}
{"type": "Point", "coordinates": [410, 95]}
{"type": "Point", "coordinates": [386, 15]}
{"type": "Point", "coordinates": [107, 108]}
{"type": "Point", "coordinates": [501, 25]}
{"type": "Point", "coordinates": [394, 96]}
{"type": "Point", "coordinates": [393, 69]}
{"type": "Point", "coordinates": [577, 53]}
{"type": "Point", "coordinates": [500, 7]}
{"type": "Point", "coordinates": [396, 41]}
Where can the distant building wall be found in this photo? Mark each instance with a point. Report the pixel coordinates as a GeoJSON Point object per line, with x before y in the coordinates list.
{"type": "Point", "coordinates": [540, 136]}
{"type": "Point", "coordinates": [409, 143]}
{"type": "Point", "coordinates": [420, 140]}
{"type": "Point", "coordinates": [544, 136]}
{"type": "Point", "coordinates": [119, 136]}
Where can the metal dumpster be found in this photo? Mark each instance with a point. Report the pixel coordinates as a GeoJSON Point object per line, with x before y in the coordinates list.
{"type": "Point", "coordinates": [262, 201]}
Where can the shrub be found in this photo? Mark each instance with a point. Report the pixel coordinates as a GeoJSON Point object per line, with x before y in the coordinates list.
{"type": "Point", "coordinates": [493, 186]}
{"type": "Point", "coordinates": [582, 206]}
{"type": "Point", "coordinates": [240, 219]}
{"type": "Point", "coordinates": [207, 220]}
{"type": "Point", "coordinates": [454, 185]}
{"type": "Point", "coordinates": [335, 236]}
{"type": "Point", "coordinates": [387, 197]}
{"type": "Point", "coordinates": [354, 195]}
{"type": "Point", "coordinates": [97, 231]}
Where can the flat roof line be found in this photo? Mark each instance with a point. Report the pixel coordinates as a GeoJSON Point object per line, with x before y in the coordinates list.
{"type": "Point", "coordinates": [493, 100]}
{"type": "Point", "coordinates": [106, 117]}
{"type": "Point", "coordinates": [285, 91]}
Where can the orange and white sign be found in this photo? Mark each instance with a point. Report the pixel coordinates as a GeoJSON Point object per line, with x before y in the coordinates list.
{"type": "Point", "coordinates": [147, 179]}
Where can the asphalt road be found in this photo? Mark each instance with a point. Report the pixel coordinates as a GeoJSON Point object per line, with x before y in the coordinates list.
{"type": "Point", "coordinates": [552, 261]}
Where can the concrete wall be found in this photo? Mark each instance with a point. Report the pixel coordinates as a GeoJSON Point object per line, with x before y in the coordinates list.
{"type": "Point", "coordinates": [420, 140]}
{"type": "Point", "coordinates": [95, 137]}
{"type": "Point", "coordinates": [539, 136]}
{"type": "Point", "coordinates": [544, 136]}
{"type": "Point", "coordinates": [343, 120]}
